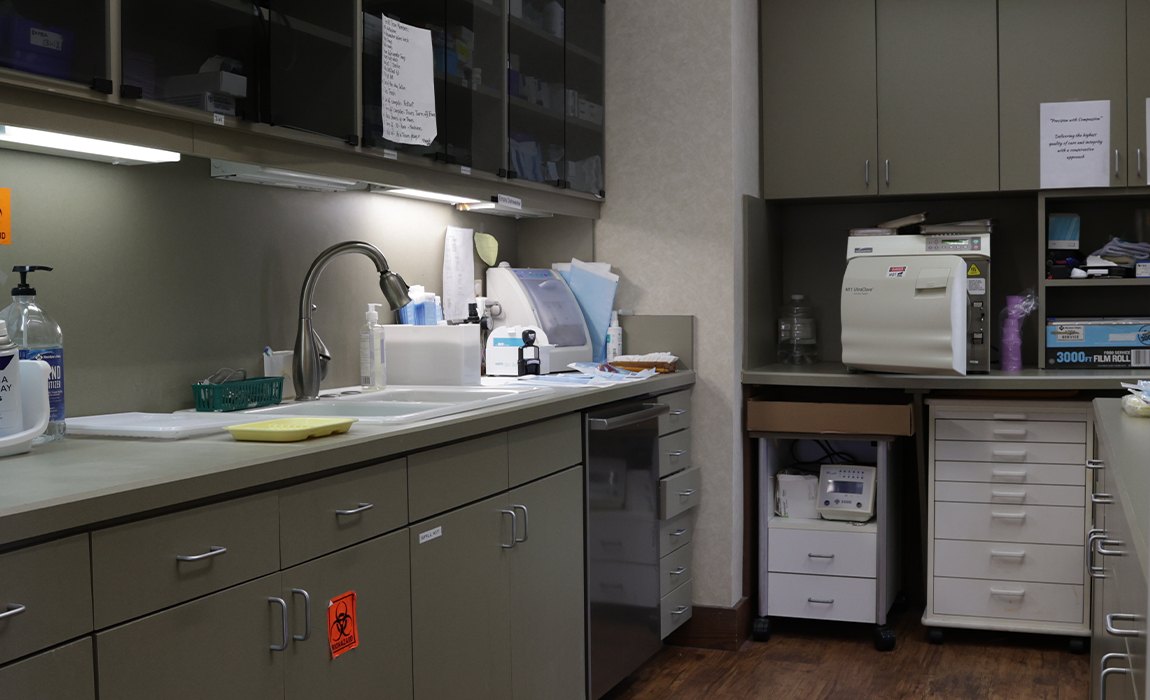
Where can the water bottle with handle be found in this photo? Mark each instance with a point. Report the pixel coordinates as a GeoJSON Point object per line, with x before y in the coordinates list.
{"type": "Point", "coordinates": [798, 336]}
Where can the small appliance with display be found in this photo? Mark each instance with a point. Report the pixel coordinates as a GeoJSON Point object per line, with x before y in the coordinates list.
{"type": "Point", "coordinates": [846, 492]}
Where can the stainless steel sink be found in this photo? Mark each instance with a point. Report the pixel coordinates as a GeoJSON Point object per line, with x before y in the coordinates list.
{"type": "Point", "coordinates": [403, 404]}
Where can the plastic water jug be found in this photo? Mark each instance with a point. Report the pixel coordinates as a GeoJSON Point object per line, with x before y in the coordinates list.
{"type": "Point", "coordinates": [798, 336]}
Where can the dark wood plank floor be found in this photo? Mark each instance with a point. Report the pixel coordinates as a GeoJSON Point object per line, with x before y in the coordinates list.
{"type": "Point", "coordinates": [810, 660]}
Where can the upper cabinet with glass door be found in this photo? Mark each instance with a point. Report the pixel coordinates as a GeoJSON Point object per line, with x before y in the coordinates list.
{"type": "Point", "coordinates": [584, 96]}
{"type": "Point", "coordinates": [63, 39]}
{"type": "Point", "coordinates": [469, 59]}
{"type": "Point", "coordinates": [536, 90]}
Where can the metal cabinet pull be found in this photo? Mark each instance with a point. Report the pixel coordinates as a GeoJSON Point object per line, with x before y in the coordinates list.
{"type": "Point", "coordinates": [1111, 618]}
{"type": "Point", "coordinates": [679, 571]}
{"type": "Point", "coordinates": [866, 172]}
{"type": "Point", "coordinates": [1008, 516]}
{"type": "Point", "coordinates": [1095, 464]}
{"type": "Point", "coordinates": [13, 610]}
{"type": "Point", "coordinates": [1013, 474]}
{"type": "Point", "coordinates": [678, 411]}
{"type": "Point", "coordinates": [1116, 162]}
{"type": "Point", "coordinates": [886, 168]}
{"type": "Point", "coordinates": [1002, 554]}
{"type": "Point", "coordinates": [525, 523]}
{"type": "Point", "coordinates": [1010, 454]}
{"type": "Point", "coordinates": [687, 493]}
{"type": "Point", "coordinates": [212, 552]}
{"type": "Point", "coordinates": [648, 411]}
{"type": "Point", "coordinates": [1010, 432]}
{"type": "Point", "coordinates": [812, 555]}
{"type": "Point", "coordinates": [354, 511]}
{"type": "Point", "coordinates": [675, 454]}
{"type": "Point", "coordinates": [1138, 161]}
{"type": "Point", "coordinates": [1107, 670]}
{"type": "Point", "coordinates": [680, 610]}
{"type": "Point", "coordinates": [284, 618]}
{"type": "Point", "coordinates": [1008, 592]}
{"type": "Point", "coordinates": [1012, 495]}
{"type": "Point", "coordinates": [306, 614]}
{"type": "Point", "coordinates": [1101, 545]}
{"type": "Point", "coordinates": [1102, 499]}
{"type": "Point", "coordinates": [679, 533]}
{"type": "Point", "coordinates": [513, 528]}
{"type": "Point", "coordinates": [821, 601]}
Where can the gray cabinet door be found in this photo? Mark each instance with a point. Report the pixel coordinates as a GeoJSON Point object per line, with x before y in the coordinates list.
{"type": "Point", "coordinates": [377, 572]}
{"type": "Point", "coordinates": [547, 585]}
{"type": "Point", "coordinates": [1057, 51]}
{"type": "Point", "coordinates": [215, 647]}
{"type": "Point", "coordinates": [937, 96]}
{"type": "Point", "coordinates": [1137, 88]}
{"type": "Point", "coordinates": [818, 98]}
{"type": "Point", "coordinates": [63, 672]}
{"type": "Point", "coordinates": [460, 603]}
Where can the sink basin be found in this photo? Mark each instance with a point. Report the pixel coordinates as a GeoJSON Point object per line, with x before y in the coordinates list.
{"type": "Point", "coordinates": [403, 404]}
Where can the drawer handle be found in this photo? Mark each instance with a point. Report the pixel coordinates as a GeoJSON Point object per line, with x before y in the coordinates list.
{"type": "Point", "coordinates": [1008, 516]}
{"type": "Point", "coordinates": [306, 614]}
{"type": "Point", "coordinates": [1101, 545]}
{"type": "Point", "coordinates": [1010, 432]}
{"type": "Point", "coordinates": [1016, 474]}
{"type": "Point", "coordinates": [1002, 554]}
{"type": "Point", "coordinates": [1009, 416]}
{"type": "Point", "coordinates": [680, 610]}
{"type": "Point", "coordinates": [1102, 499]}
{"type": "Point", "coordinates": [525, 523]}
{"type": "Point", "coordinates": [13, 610]}
{"type": "Point", "coordinates": [1111, 618]}
{"type": "Point", "coordinates": [1098, 572]}
{"type": "Point", "coordinates": [1012, 495]}
{"type": "Point", "coordinates": [687, 493]}
{"type": "Point", "coordinates": [812, 555]}
{"type": "Point", "coordinates": [679, 533]}
{"type": "Point", "coordinates": [514, 539]}
{"type": "Point", "coordinates": [212, 552]}
{"type": "Point", "coordinates": [678, 411]}
{"type": "Point", "coordinates": [1107, 670]}
{"type": "Point", "coordinates": [821, 601]}
{"type": "Point", "coordinates": [679, 571]}
{"type": "Point", "coordinates": [284, 619]}
{"type": "Point", "coordinates": [1008, 592]}
{"type": "Point", "coordinates": [1009, 454]}
{"type": "Point", "coordinates": [355, 511]}
{"type": "Point", "coordinates": [674, 454]}
{"type": "Point", "coordinates": [1095, 464]}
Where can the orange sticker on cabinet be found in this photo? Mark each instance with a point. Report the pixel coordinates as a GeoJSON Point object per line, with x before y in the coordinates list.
{"type": "Point", "coordinates": [5, 215]}
{"type": "Point", "coordinates": [342, 624]}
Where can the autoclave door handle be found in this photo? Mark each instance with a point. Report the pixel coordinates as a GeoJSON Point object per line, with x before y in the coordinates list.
{"type": "Point", "coordinates": [649, 411]}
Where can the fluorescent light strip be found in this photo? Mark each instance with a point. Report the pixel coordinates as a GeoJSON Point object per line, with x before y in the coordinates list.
{"type": "Point", "coordinates": [426, 195]}
{"type": "Point", "coordinates": [81, 147]}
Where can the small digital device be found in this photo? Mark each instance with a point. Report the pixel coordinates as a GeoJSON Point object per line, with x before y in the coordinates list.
{"type": "Point", "coordinates": [846, 492]}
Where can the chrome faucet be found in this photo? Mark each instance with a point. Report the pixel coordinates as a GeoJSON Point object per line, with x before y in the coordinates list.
{"type": "Point", "coordinates": [309, 364]}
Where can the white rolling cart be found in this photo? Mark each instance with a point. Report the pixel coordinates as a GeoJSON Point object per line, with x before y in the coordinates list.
{"type": "Point", "coordinates": [828, 569]}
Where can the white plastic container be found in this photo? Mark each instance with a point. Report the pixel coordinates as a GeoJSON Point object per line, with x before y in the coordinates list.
{"type": "Point", "coordinates": [432, 355]}
{"type": "Point", "coordinates": [372, 353]}
{"type": "Point", "coordinates": [614, 337]}
{"type": "Point", "coordinates": [11, 412]}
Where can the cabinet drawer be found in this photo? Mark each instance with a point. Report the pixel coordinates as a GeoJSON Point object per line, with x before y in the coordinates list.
{"type": "Point", "coordinates": [822, 597]}
{"type": "Point", "coordinates": [1015, 600]}
{"type": "Point", "coordinates": [822, 552]}
{"type": "Point", "coordinates": [1010, 431]}
{"type": "Point", "coordinates": [674, 609]}
{"type": "Point", "coordinates": [1009, 523]}
{"type": "Point", "coordinates": [153, 563]}
{"type": "Point", "coordinates": [447, 477]}
{"type": "Point", "coordinates": [1013, 413]}
{"type": "Point", "coordinates": [63, 672]}
{"type": "Point", "coordinates": [1047, 563]}
{"type": "Point", "coordinates": [674, 570]}
{"type": "Point", "coordinates": [50, 585]}
{"type": "Point", "coordinates": [675, 533]}
{"type": "Point", "coordinates": [1010, 452]}
{"type": "Point", "coordinates": [680, 415]}
{"type": "Point", "coordinates": [679, 492]}
{"type": "Point", "coordinates": [1005, 473]}
{"type": "Point", "coordinates": [543, 448]}
{"type": "Point", "coordinates": [1019, 494]}
{"type": "Point", "coordinates": [331, 513]}
{"type": "Point", "coordinates": [674, 452]}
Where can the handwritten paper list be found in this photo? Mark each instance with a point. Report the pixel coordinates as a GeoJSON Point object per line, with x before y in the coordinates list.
{"type": "Point", "coordinates": [408, 87]}
{"type": "Point", "coordinates": [1075, 144]}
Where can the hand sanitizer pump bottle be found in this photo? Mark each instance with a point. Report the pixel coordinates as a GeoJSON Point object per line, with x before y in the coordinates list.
{"type": "Point", "coordinates": [372, 365]}
{"type": "Point", "coordinates": [39, 338]}
{"type": "Point", "coordinates": [11, 410]}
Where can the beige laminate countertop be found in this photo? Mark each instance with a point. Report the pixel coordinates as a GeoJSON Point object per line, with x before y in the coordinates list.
{"type": "Point", "coordinates": [77, 483]}
{"type": "Point", "coordinates": [1127, 442]}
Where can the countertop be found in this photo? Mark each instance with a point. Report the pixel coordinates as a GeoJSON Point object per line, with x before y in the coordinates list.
{"type": "Point", "coordinates": [1126, 440]}
{"type": "Point", "coordinates": [78, 483]}
{"type": "Point", "coordinates": [836, 374]}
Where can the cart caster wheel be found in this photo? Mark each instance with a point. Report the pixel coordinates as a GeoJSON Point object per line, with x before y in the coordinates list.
{"type": "Point", "coordinates": [934, 635]}
{"type": "Point", "coordinates": [883, 638]}
{"type": "Point", "coordinates": [1078, 645]}
{"type": "Point", "coordinates": [761, 629]}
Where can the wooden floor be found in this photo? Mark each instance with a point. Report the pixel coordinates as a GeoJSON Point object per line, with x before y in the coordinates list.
{"type": "Point", "coordinates": [812, 660]}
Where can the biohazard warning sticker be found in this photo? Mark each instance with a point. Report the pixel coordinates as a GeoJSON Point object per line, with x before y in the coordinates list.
{"type": "Point", "coordinates": [342, 624]}
{"type": "Point", "coordinates": [896, 271]}
{"type": "Point", "coordinates": [5, 216]}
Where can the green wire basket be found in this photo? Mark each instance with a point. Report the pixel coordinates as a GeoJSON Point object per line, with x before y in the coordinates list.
{"type": "Point", "coordinates": [238, 395]}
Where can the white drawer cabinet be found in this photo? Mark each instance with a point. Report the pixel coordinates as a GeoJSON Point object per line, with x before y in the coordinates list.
{"type": "Point", "coordinates": [1008, 516]}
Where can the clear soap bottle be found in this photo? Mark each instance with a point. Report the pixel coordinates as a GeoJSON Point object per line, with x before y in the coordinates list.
{"type": "Point", "coordinates": [372, 361]}
{"type": "Point", "coordinates": [39, 338]}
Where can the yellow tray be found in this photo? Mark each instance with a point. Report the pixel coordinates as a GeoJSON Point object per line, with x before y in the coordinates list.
{"type": "Point", "coordinates": [290, 429]}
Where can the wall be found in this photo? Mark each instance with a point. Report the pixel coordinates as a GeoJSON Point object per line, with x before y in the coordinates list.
{"type": "Point", "coordinates": [681, 150]}
{"type": "Point", "coordinates": [163, 275]}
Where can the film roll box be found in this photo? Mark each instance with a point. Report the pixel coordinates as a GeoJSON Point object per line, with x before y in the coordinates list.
{"type": "Point", "coordinates": [1097, 343]}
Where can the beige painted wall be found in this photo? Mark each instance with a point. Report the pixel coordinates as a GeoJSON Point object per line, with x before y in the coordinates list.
{"type": "Point", "coordinates": [163, 275]}
{"type": "Point", "coordinates": [682, 149]}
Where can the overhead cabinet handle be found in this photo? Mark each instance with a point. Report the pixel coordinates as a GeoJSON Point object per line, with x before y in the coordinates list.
{"type": "Point", "coordinates": [646, 413]}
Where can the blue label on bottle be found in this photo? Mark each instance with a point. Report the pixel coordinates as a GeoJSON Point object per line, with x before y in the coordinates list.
{"type": "Point", "coordinates": [55, 359]}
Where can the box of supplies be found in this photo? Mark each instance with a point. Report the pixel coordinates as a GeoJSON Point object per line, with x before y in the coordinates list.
{"type": "Point", "coordinates": [829, 418]}
{"type": "Point", "coordinates": [1097, 343]}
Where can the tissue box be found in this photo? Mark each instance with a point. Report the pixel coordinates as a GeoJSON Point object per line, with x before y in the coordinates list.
{"type": "Point", "coordinates": [432, 355]}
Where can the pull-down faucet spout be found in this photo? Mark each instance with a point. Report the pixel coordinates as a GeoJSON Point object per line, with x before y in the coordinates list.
{"type": "Point", "coordinates": [309, 364]}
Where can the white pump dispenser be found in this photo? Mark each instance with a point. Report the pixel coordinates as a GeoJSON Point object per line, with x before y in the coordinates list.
{"type": "Point", "coordinates": [614, 337]}
{"type": "Point", "coordinates": [372, 361]}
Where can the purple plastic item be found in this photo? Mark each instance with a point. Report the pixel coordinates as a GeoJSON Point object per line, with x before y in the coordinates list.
{"type": "Point", "coordinates": [1011, 355]}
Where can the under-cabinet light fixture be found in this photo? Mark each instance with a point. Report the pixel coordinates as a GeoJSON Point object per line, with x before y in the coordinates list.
{"type": "Point", "coordinates": [425, 195]}
{"type": "Point", "coordinates": [280, 177]}
{"type": "Point", "coordinates": [499, 209]}
{"type": "Point", "coordinates": [57, 144]}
